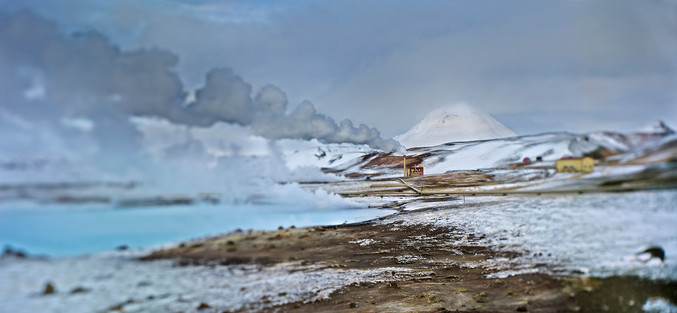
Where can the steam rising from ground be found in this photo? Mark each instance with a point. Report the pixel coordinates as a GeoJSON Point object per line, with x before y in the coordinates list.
{"type": "Point", "coordinates": [76, 96]}
{"type": "Point", "coordinates": [47, 74]}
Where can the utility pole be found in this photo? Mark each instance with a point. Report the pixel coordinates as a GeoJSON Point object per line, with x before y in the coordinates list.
{"type": "Point", "coordinates": [405, 165]}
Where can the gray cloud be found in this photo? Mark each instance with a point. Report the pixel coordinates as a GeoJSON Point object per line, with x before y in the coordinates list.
{"type": "Point", "coordinates": [84, 76]}
{"type": "Point", "coordinates": [359, 59]}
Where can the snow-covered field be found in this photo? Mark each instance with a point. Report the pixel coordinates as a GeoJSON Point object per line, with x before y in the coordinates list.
{"type": "Point", "coordinates": [110, 280]}
{"type": "Point", "coordinates": [590, 234]}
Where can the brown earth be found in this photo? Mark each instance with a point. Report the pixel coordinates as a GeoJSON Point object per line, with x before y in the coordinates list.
{"type": "Point", "coordinates": [388, 160]}
{"type": "Point", "coordinates": [427, 273]}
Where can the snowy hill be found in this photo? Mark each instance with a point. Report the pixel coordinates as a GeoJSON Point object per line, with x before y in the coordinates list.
{"type": "Point", "coordinates": [72, 181]}
{"type": "Point", "coordinates": [642, 146]}
{"type": "Point", "coordinates": [454, 123]}
{"type": "Point", "coordinates": [657, 128]}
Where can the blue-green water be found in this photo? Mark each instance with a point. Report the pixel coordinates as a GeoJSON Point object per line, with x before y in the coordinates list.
{"type": "Point", "coordinates": [66, 231]}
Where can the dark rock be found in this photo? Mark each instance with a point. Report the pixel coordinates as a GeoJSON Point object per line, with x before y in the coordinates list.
{"type": "Point", "coordinates": [522, 308]}
{"type": "Point", "coordinates": [11, 252]}
{"type": "Point", "coordinates": [655, 252]}
{"type": "Point", "coordinates": [117, 307]}
{"type": "Point", "coordinates": [79, 290]}
{"type": "Point", "coordinates": [353, 305]}
{"type": "Point", "coordinates": [197, 245]}
{"type": "Point", "coordinates": [49, 289]}
{"type": "Point", "coordinates": [482, 297]}
{"type": "Point", "coordinates": [120, 306]}
{"type": "Point", "coordinates": [203, 306]}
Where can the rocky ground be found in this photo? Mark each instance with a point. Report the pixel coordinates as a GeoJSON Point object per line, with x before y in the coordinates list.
{"type": "Point", "coordinates": [425, 273]}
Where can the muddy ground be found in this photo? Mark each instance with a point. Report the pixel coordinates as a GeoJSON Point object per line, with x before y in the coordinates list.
{"type": "Point", "coordinates": [426, 273]}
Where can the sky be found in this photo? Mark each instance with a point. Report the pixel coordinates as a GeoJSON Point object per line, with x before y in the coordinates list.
{"type": "Point", "coordinates": [536, 66]}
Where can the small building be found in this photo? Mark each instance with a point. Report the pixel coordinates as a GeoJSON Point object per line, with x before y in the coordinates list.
{"type": "Point", "coordinates": [571, 164]}
{"type": "Point", "coordinates": [415, 171]}
{"type": "Point", "coordinates": [526, 160]}
{"type": "Point", "coordinates": [411, 170]}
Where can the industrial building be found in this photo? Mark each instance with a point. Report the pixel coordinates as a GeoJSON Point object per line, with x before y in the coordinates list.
{"type": "Point", "coordinates": [411, 170]}
{"type": "Point", "coordinates": [571, 164]}
{"type": "Point", "coordinates": [415, 171]}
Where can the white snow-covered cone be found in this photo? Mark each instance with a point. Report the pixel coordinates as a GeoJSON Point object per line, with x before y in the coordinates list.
{"type": "Point", "coordinates": [457, 122]}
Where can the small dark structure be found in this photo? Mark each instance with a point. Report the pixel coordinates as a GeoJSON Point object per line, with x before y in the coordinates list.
{"type": "Point", "coordinates": [654, 252]}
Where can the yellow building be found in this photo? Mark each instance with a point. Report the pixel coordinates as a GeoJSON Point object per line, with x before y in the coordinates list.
{"type": "Point", "coordinates": [585, 165]}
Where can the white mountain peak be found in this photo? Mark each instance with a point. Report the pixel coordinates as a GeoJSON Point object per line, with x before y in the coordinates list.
{"type": "Point", "coordinates": [457, 122]}
{"type": "Point", "coordinates": [658, 127]}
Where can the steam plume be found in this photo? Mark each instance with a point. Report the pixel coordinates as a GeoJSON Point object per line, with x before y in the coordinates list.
{"type": "Point", "coordinates": [49, 74]}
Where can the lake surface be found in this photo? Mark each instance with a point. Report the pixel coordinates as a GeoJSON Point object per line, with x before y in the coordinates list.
{"type": "Point", "coordinates": [57, 230]}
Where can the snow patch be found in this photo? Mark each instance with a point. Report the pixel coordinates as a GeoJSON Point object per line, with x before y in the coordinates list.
{"type": "Point", "coordinates": [111, 280]}
{"type": "Point", "coordinates": [659, 305]}
{"type": "Point", "coordinates": [364, 242]}
{"type": "Point", "coordinates": [593, 234]}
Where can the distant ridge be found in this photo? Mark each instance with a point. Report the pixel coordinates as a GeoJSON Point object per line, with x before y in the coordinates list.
{"type": "Point", "coordinates": [453, 123]}
{"type": "Point", "coordinates": [658, 127]}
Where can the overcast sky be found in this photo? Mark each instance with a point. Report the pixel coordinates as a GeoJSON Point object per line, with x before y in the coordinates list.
{"type": "Point", "coordinates": [535, 66]}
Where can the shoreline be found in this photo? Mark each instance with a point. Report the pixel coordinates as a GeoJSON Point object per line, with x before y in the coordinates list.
{"type": "Point", "coordinates": [418, 271]}
{"type": "Point", "coordinates": [433, 254]}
